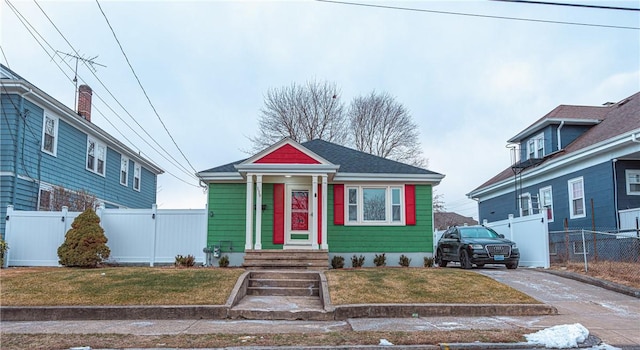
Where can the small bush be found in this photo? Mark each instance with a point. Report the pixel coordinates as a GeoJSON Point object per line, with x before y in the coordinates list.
{"type": "Point", "coordinates": [337, 262]}
{"type": "Point", "coordinates": [224, 261]}
{"type": "Point", "coordinates": [380, 260]}
{"type": "Point", "coordinates": [357, 261]}
{"type": "Point", "coordinates": [3, 251]}
{"type": "Point", "coordinates": [185, 261]}
{"type": "Point", "coordinates": [85, 244]}
{"type": "Point", "coordinates": [404, 261]}
{"type": "Point", "coordinates": [428, 261]}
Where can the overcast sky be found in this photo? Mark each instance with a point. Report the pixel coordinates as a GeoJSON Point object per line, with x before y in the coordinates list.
{"type": "Point", "coordinates": [470, 82]}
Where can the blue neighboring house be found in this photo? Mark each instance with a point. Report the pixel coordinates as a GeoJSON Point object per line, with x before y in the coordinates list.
{"type": "Point", "coordinates": [45, 144]}
{"type": "Point", "coordinates": [574, 162]}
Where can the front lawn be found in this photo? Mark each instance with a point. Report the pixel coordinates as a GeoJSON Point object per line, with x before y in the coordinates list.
{"type": "Point", "coordinates": [419, 285]}
{"type": "Point", "coordinates": [54, 286]}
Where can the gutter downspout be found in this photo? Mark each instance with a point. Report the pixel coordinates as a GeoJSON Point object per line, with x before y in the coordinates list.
{"type": "Point", "coordinates": [559, 137]}
{"type": "Point", "coordinates": [615, 192]}
{"type": "Point", "coordinates": [19, 134]}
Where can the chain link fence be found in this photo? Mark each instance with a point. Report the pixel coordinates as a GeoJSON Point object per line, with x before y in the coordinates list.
{"type": "Point", "coordinates": [610, 253]}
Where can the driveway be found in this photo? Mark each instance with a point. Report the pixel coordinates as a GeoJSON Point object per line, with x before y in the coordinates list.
{"type": "Point", "coordinates": [611, 316]}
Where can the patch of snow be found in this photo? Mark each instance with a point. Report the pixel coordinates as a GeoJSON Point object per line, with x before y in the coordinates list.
{"type": "Point", "coordinates": [603, 346]}
{"type": "Point", "coordinates": [384, 342]}
{"type": "Point", "coordinates": [561, 336]}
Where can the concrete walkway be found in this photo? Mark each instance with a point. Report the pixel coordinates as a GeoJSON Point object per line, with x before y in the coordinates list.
{"type": "Point", "coordinates": [611, 316]}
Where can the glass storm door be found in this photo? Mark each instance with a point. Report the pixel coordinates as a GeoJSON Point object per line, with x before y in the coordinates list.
{"type": "Point", "coordinates": [298, 216]}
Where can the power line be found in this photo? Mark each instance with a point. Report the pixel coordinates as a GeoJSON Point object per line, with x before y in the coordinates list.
{"type": "Point", "coordinates": [142, 87]}
{"type": "Point", "coordinates": [477, 15]}
{"type": "Point", "coordinates": [177, 164]}
{"type": "Point", "coordinates": [22, 19]}
{"type": "Point", "coordinates": [572, 5]}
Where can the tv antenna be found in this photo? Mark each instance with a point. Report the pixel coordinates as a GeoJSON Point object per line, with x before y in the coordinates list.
{"type": "Point", "coordinates": [89, 62]}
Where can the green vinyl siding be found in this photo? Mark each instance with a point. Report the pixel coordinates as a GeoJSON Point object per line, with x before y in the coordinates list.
{"type": "Point", "coordinates": [387, 239]}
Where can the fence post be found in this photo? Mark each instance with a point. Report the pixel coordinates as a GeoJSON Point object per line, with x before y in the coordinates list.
{"type": "Point", "coordinates": [584, 252]}
{"type": "Point", "coordinates": [511, 227]}
{"type": "Point", "coordinates": [7, 233]}
{"type": "Point", "coordinates": [154, 212]}
{"type": "Point", "coordinates": [65, 219]}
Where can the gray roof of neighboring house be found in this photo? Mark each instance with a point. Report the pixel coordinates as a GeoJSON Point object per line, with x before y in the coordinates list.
{"type": "Point", "coordinates": [444, 220]}
{"type": "Point", "coordinates": [616, 119]}
{"type": "Point", "coordinates": [350, 161]}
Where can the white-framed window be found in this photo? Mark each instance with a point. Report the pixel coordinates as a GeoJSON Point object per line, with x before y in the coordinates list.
{"type": "Point", "coordinates": [578, 248]}
{"type": "Point", "coordinates": [633, 182]}
{"type": "Point", "coordinates": [96, 156]}
{"type": "Point", "coordinates": [525, 204]}
{"type": "Point", "coordinates": [50, 134]}
{"type": "Point", "coordinates": [535, 147]}
{"type": "Point", "coordinates": [546, 202]}
{"type": "Point", "coordinates": [576, 198]}
{"type": "Point", "coordinates": [374, 205]}
{"type": "Point", "coordinates": [137, 172]}
{"type": "Point", "coordinates": [45, 198]}
{"type": "Point", "coordinates": [124, 170]}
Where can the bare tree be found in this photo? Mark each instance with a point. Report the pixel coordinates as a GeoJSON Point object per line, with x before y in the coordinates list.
{"type": "Point", "coordinates": [383, 127]}
{"type": "Point", "coordinates": [74, 200]}
{"type": "Point", "coordinates": [303, 113]}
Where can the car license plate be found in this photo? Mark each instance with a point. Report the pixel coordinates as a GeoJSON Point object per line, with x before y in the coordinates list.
{"type": "Point", "coordinates": [498, 257]}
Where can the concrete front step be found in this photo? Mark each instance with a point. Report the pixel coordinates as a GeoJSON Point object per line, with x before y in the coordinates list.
{"type": "Point", "coordinates": [281, 291]}
{"type": "Point", "coordinates": [284, 283]}
{"type": "Point", "coordinates": [287, 259]}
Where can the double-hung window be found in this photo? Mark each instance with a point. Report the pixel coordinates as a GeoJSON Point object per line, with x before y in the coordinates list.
{"type": "Point", "coordinates": [124, 170]}
{"type": "Point", "coordinates": [374, 205]}
{"type": "Point", "coordinates": [96, 156]}
{"type": "Point", "coordinates": [137, 170]}
{"type": "Point", "coordinates": [50, 134]}
{"type": "Point", "coordinates": [525, 204]}
{"type": "Point", "coordinates": [546, 202]}
{"type": "Point", "coordinates": [576, 198]}
{"type": "Point", "coordinates": [45, 200]}
{"type": "Point", "coordinates": [633, 182]}
{"type": "Point", "coordinates": [535, 147]}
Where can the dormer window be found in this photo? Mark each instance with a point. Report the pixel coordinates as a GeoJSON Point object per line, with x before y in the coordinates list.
{"type": "Point", "coordinates": [535, 147]}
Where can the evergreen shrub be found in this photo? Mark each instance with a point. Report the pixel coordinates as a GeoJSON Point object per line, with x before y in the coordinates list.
{"type": "Point", "coordinates": [85, 244]}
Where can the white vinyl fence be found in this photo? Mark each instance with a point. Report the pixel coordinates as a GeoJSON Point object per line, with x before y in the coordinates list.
{"type": "Point", "coordinates": [531, 234]}
{"type": "Point", "coordinates": [140, 236]}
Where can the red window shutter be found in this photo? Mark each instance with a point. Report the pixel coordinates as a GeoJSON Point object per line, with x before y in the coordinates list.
{"type": "Point", "coordinates": [338, 204]}
{"type": "Point", "coordinates": [410, 204]}
{"type": "Point", "coordinates": [278, 213]}
{"type": "Point", "coordinates": [320, 213]}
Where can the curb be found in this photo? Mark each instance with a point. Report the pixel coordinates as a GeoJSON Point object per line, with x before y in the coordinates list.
{"type": "Point", "coordinates": [612, 286]}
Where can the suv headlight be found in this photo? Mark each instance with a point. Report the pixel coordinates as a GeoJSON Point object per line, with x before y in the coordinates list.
{"type": "Point", "coordinates": [476, 246]}
{"type": "Point", "coordinates": [514, 246]}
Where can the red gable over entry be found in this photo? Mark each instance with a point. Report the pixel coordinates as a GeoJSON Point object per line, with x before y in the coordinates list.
{"type": "Point", "coordinates": [287, 154]}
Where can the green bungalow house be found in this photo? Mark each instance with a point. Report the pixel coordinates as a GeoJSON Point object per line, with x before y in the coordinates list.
{"type": "Point", "coordinates": [298, 205]}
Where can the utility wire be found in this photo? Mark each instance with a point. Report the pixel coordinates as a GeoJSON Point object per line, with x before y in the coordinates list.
{"type": "Point", "coordinates": [600, 7]}
{"type": "Point", "coordinates": [5, 56]}
{"type": "Point", "coordinates": [477, 15]}
{"type": "Point", "coordinates": [177, 164]}
{"type": "Point", "coordinates": [142, 87]}
{"type": "Point", "coordinates": [22, 19]}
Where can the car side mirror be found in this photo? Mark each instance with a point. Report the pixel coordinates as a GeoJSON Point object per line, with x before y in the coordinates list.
{"type": "Point", "coordinates": [501, 235]}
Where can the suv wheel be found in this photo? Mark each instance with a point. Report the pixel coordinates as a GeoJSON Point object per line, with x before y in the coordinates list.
{"type": "Point", "coordinates": [439, 260]}
{"type": "Point", "coordinates": [465, 262]}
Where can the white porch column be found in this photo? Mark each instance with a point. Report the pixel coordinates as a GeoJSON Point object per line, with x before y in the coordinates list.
{"type": "Point", "coordinates": [258, 245]}
{"type": "Point", "coordinates": [314, 212]}
{"type": "Point", "coordinates": [249, 214]}
{"type": "Point", "coordinates": [324, 244]}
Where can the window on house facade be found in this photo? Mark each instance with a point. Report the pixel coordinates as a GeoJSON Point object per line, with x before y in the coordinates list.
{"type": "Point", "coordinates": [546, 202]}
{"type": "Point", "coordinates": [96, 156]}
{"type": "Point", "coordinates": [576, 198]}
{"type": "Point", "coordinates": [50, 134]}
{"type": "Point", "coordinates": [137, 170]}
{"type": "Point", "coordinates": [535, 147]}
{"type": "Point", "coordinates": [380, 205]}
{"type": "Point", "coordinates": [525, 204]}
{"type": "Point", "coordinates": [45, 200]}
{"type": "Point", "coordinates": [124, 170]}
{"type": "Point", "coordinates": [633, 182]}
{"type": "Point", "coordinates": [578, 248]}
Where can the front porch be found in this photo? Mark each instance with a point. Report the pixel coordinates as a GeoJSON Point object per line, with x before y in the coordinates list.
{"type": "Point", "coordinates": [302, 259]}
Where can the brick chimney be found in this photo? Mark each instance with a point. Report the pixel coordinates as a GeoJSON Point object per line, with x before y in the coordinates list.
{"type": "Point", "coordinates": [84, 102]}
